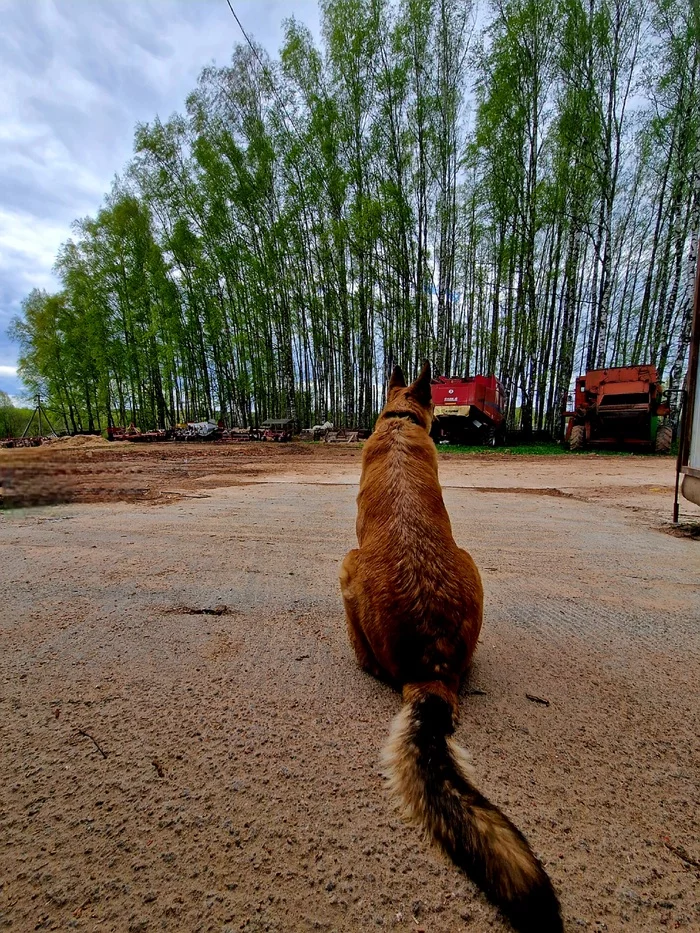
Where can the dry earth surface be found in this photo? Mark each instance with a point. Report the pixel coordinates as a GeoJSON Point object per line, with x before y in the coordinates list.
{"type": "Point", "coordinates": [186, 743]}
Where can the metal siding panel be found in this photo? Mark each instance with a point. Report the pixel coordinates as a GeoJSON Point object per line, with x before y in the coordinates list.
{"type": "Point", "coordinates": [694, 454]}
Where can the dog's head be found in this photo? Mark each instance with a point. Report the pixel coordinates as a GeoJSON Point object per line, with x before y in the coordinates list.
{"type": "Point", "coordinates": [413, 402]}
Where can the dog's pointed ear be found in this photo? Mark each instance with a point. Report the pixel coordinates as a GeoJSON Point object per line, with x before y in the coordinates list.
{"type": "Point", "coordinates": [397, 380]}
{"type": "Point", "coordinates": [420, 389]}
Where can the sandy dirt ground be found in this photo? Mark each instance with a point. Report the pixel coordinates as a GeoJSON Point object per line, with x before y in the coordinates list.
{"type": "Point", "coordinates": [186, 743]}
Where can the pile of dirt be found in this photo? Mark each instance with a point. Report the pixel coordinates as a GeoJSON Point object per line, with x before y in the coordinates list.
{"type": "Point", "coordinates": [79, 440]}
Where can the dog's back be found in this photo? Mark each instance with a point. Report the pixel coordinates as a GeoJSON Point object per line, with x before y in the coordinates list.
{"type": "Point", "coordinates": [424, 595]}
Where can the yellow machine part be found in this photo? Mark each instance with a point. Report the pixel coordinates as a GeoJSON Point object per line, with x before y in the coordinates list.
{"type": "Point", "coordinates": [443, 411]}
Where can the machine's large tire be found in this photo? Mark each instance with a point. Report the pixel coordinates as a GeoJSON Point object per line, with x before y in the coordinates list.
{"type": "Point", "coordinates": [577, 439]}
{"type": "Point", "coordinates": [664, 439]}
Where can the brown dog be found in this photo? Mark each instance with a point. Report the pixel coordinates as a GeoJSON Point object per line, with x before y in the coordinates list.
{"type": "Point", "coordinates": [413, 602]}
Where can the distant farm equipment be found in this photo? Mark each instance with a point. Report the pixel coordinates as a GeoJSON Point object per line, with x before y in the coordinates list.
{"type": "Point", "coordinates": [278, 429]}
{"type": "Point", "coordinates": [621, 406]}
{"type": "Point", "coordinates": [32, 440]}
{"type": "Point", "coordinates": [329, 434]}
{"type": "Point", "coordinates": [136, 435]}
{"type": "Point", "coordinates": [207, 432]}
{"type": "Point", "coordinates": [192, 431]}
{"type": "Point", "coordinates": [469, 410]}
{"type": "Point", "coordinates": [318, 431]}
{"type": "Point", "coordinates": [242, 434]}
{"type": "Point", "coordinates": [346, 436]}
{"type": "Point", "coordinates": [9, 442]}
{"type": "Point", "coordinates": [199, 431]}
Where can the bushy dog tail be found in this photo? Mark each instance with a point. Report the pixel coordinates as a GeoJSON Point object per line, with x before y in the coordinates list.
{"type": "Point", "coordinates": [428, 774]}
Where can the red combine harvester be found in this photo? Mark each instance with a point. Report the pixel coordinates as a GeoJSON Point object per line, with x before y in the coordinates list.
{"type": "Point", "coordinates": [469, 410]}
{"type": "Point", "coordinates": [621, 406]}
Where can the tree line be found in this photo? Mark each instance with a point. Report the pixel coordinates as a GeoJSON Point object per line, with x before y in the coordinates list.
{"type": "Point", "coordinates": [517, 194]}
{"type": "Point", "coordinates": [13, 419]}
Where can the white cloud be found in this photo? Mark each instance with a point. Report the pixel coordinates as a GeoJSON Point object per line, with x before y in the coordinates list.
{"type": "Point", "coordinates": [29, 241]}
{"type": "Point", "coordinates": [10, 383]}
{"type": "Point", "coordinates": [75, 78]}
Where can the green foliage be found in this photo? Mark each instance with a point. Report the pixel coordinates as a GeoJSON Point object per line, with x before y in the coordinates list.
{"type": "Point", "coordinates": [13, 419]}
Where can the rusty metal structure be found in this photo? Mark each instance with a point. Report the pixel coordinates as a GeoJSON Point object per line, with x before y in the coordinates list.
{"type": "Point", "coordinates": [135, 435]}
{"type": "Point", "coordinates": [280, 430]}
{"type": "Point", "coordinates": [621, 406]}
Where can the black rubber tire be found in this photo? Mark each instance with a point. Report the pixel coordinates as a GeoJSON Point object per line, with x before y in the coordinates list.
{"type": "Point", "coordinates": [577, 439]}
{"type": "Point", "coordinates": [664, 439]}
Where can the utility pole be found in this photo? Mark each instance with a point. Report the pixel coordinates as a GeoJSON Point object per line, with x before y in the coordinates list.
{"type": "Point", "coordinates": [38, 409]}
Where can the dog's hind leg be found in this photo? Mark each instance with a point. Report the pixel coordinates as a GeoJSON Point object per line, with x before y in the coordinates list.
{"type": "Point", "coordinates": [358, 640]}
{"type": "Point", "coordinates": [363, 652]}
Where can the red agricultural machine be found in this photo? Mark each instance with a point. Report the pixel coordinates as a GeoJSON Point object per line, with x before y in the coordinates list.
{"type": "Point", "coordinates": [470, 410]}
{"type": "Point", "coordinates": [620, 406]}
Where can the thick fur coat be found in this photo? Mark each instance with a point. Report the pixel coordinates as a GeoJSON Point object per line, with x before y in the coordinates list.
{"type": "Point", "coordinates": [414, 604]}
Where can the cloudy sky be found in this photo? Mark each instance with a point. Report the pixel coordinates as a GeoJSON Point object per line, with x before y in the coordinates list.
{"type": "Point", "coordinates": [75, 77]}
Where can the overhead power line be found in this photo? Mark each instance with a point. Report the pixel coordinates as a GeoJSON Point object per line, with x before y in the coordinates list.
{"type": "Point", "coordinates": [245, 34]}
{"type": "Point", "coordinates": [265, 70]}
{"type": "Point", "coordinates": [310, 151]}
